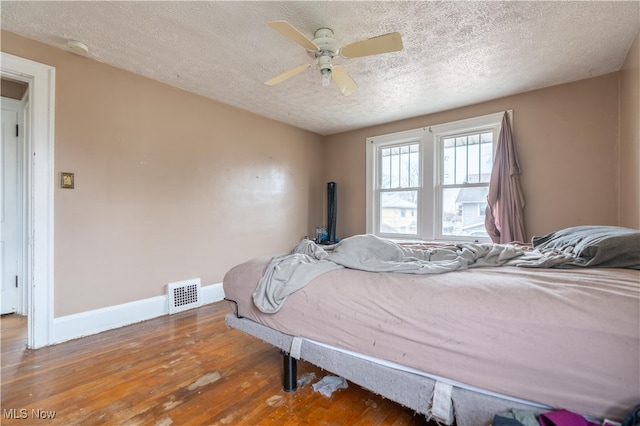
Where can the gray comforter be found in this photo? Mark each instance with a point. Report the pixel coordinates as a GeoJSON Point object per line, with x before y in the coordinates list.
{"type": "Point", "coordinates": [572, 247]}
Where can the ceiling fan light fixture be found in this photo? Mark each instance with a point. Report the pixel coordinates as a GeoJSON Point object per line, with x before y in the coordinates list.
{"type": "Point", "coordinates": [324, 63]}
{"type": "Point", "coordinates": [326, 77]}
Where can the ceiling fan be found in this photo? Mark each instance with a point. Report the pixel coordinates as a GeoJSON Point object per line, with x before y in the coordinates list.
{"type": "Point", "coordinates": [324, 47]}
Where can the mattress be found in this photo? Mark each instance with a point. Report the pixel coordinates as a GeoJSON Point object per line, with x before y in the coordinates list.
{"type": "Point", "coordinates": [567, 338]}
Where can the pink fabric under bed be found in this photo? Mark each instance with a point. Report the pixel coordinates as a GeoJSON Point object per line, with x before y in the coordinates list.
{"type": "Point", "coordinates": [566, 338]}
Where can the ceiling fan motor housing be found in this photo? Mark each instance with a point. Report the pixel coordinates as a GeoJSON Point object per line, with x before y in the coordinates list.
{"type": "Point", "coordinates": [327, 45]}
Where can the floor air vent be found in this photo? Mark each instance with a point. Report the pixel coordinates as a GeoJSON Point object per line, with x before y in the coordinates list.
{"type": "Point", "coordinates": [184, 295]}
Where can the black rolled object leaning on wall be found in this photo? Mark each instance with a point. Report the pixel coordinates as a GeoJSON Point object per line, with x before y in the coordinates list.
{"type": "Point", "coordinates": [332, 208]}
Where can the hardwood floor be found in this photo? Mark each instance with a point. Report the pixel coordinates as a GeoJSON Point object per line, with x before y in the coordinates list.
{"type": "Point", "coordinates": [183, 369]}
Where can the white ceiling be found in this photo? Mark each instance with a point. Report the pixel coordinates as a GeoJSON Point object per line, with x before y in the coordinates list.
{"type": "Point", "coordinates": [455, 53]}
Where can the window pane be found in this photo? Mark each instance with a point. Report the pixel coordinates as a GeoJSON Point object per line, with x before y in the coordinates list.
{"type": "Point", "coordinates": [467, 159]}
{"type": "Point", "coordinates": [463, 211]}
{"type": "Point", "coordinates": [486, 156]}
{"type": "Point", "coordinates": [449, 161]}
{"type": "Point", "coordinates": [473, 150]}
{"type": "Point", "coordinates": [414, 166]}
{"type": "Point", "coordinates": [385, 169]}
{"type": "Point", "coordinates": [461, 160]}
{"type": "Point", "coordinates": [399, 212]}
{"type": "Point", "coordinates": [395, 167]}
{"type": "Point", "coordinates": [400, 166]}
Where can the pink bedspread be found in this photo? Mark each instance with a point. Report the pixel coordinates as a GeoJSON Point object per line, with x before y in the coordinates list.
{"type": "Point", "coordinates": [565, 338]}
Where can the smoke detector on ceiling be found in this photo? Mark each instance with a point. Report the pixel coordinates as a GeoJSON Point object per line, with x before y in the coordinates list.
{"type": "Point", "coordinates": [77, 47]}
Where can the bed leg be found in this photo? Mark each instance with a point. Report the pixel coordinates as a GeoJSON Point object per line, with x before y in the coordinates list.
{"type": "Point", "coordinates": [290, 377]}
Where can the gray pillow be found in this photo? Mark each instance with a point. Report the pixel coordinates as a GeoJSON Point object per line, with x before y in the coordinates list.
{"type": "Point", "coordinates": [603, 246]}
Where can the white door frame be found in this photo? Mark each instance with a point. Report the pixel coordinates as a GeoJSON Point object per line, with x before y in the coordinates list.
{"type": "Point", "coordinates": [40, 186]}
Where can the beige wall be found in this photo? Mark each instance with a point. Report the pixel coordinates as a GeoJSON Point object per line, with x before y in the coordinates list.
{"type": "Point", "coordinates": [171, 186]}
{"type": "Point", "coordinates": [168, 185]}
{"type": "Point", "coordinates": [630, 139]}
{"type": "Point", "coordinates": [566, 137]}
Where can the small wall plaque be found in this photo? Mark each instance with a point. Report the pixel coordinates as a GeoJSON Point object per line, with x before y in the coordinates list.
{"type": "Point", "coordinates": [66, 180]}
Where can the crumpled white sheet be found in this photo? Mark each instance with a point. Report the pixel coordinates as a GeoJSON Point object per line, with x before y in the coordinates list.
{"type": "Point", "coordinates": [291, 272]}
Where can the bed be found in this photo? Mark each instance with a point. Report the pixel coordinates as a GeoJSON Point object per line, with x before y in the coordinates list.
{"type": "Point", "coordinates": [538, 329]}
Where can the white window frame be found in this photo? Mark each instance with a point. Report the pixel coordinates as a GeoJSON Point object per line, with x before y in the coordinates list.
{"type": "Point", "coordinates": [429, 211]}
{"type": "Point", "coordinates": [373, 177]}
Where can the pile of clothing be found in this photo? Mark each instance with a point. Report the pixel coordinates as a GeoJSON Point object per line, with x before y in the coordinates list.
{"type": "Point", "coordinates": [558, 418]}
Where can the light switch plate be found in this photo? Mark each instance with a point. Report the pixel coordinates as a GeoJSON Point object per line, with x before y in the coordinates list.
{"type": "Point", "coordinates": [66, 180]}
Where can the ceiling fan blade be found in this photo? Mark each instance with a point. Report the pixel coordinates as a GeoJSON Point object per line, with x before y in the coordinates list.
{"type": "Point", "coordinates": [391, 42]}
{"type": "Point", "coordinates": [287, 74]}
{"type": "Point", "coordinates": [290, 31]}
{"type": "Point", "coordinates": [343, 80]}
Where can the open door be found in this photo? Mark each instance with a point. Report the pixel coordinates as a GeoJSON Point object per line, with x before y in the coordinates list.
{"type": "Point", "coordinates": [11, 212]}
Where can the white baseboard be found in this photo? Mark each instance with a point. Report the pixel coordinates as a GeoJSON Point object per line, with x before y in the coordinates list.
{"type": "Point", "coordinates": [91, 322]}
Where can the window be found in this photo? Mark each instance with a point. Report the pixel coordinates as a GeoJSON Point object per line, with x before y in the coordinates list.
{"type": "Point", "coordinates": [463, 184]}
{"type": "Point", "coordinates": [399, 183]}
{"type": "Point", "coordinates": [431, 183]}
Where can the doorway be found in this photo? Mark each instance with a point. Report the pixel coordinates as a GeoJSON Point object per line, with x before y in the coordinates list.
{"type": "Point", "coordinates": [38, 193]}
{"type": "Point", "coordinates": [14, 100]}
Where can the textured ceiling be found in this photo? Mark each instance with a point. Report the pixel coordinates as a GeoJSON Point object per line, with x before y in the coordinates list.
{"type": "Point", "coordinates": [455, 53]}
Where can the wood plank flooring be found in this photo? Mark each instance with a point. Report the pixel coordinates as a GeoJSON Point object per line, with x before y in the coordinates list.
{"type": "Point", "coordinates": [183, 369]}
